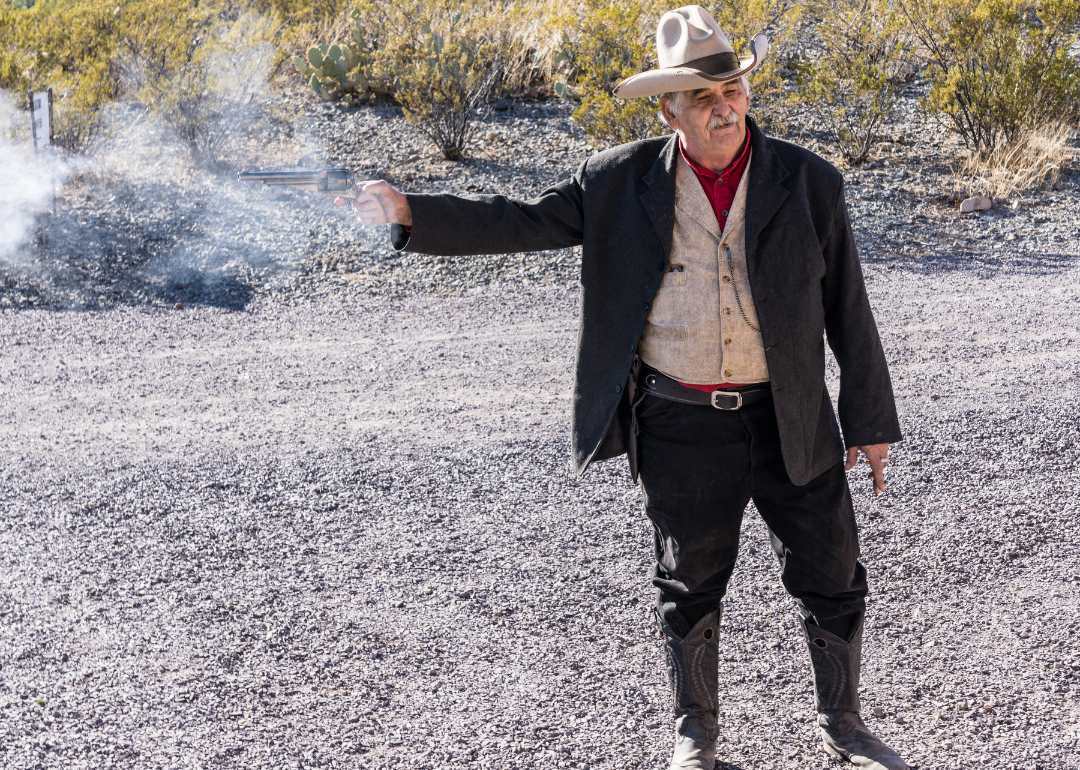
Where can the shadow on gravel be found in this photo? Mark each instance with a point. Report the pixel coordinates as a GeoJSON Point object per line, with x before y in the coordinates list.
{"type": "Point", "coordinates": [1047, 263]}
{"type": "Point", "coordinates": [152, 244]}
{"type": "Point", "coordinates": [128, 288]}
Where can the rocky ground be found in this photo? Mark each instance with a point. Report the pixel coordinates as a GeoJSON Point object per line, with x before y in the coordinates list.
{"type": "Point", "coordinates": [274, 496]}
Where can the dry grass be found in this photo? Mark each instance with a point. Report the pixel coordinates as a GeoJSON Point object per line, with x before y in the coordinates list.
{"type": "Point", "coordinates": [1036, 160]}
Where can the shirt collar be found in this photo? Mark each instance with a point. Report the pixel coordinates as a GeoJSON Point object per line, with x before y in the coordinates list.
{"type": "Point", "coordinates": [711, 175]}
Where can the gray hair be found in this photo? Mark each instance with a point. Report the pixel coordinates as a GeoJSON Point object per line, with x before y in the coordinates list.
{"type": "Point", "coordinates": [676, 100]}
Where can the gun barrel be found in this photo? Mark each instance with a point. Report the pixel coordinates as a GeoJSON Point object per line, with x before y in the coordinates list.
{"type": "Point", "coordinates": [324, 180]}
{"type": "Point", "coordinates": [279, 177]}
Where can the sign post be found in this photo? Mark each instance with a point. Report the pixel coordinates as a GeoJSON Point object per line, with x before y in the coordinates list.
{"type": "Point", "coordinates": [41, 131]}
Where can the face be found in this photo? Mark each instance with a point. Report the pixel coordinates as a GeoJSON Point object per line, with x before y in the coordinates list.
{"type": "Point", "coordinates": [712, 125]}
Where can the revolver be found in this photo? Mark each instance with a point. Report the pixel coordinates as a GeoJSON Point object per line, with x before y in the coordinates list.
{"type": "Point", "coordinates": [338, 182]}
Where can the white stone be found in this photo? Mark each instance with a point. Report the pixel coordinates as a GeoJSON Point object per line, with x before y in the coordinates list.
{"type": "Point", "coordinates": [977, 203]}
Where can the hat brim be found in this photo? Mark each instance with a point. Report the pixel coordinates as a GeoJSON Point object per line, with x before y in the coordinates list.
{"type": "Point", "coordinates": [669, 79]}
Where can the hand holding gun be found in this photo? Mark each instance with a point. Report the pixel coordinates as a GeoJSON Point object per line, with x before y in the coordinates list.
{"type": "Point", "coordinates": [373, 202]}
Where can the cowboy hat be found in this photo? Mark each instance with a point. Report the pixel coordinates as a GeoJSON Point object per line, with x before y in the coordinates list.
{"type": "Point", "coordinates": [693, 53]}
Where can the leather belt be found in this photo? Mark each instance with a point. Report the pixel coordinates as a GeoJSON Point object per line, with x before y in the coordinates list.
{"type": "Point", "coordinates": [660, 385]}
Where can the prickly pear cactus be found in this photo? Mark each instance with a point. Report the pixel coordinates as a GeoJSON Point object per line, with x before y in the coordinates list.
{"type": "Point", "coordinates": [328, 67]}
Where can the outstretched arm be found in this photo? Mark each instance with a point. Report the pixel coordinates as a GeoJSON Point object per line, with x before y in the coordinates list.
{"type": "Point", "coordinates": [458, 225]}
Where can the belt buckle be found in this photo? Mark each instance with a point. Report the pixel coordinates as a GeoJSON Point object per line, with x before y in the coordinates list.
{"type": "Point", "coordinates": [715, 395]}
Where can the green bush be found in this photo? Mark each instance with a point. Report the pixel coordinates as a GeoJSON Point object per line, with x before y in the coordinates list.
{"type": "Point", "coordinates": [384, 42]}
{"type": "Point", "coordinates": [606, 43]}
{"type": "Point", "coordinates": [444, 88]}
{"type": "Point", "coordinates": [853, 85]}
{"type": "Point", "coordinates": [998, 68]}
{"type": "Point", "coordinates": [68, 46]}
{"type": "Point", "coordinates": [207, 93]}
{"type": "Point", "coordinates": [783, 22]}
{"type": "Point", "coordinates": [195, 66]}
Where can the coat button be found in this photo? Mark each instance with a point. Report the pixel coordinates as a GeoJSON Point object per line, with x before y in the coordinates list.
{"type": "Point", "coordinates": [632, 346]}
{"type": "Point", "coordinates": [646, 306]}
{"type": "Point", "coordinates": [618, 388]}
{"type": "Point", "coordinates": [660, 267]}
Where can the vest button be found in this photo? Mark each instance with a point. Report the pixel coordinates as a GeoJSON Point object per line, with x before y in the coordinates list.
{"type": "Point", "coordinates": [727, 279]}
{"type": "Point", "coordinates": [646, 306]}
{"type": "Point", "coordinates": [724, 212]}
{"type": "Point", "coordinates": [727, 372]}
{"type": "Point", "coordinates": [618, 388]}
{"type": "Point", "coordinates": [727, 341]}
{"type": "Point", "coordinates": [727, 311]}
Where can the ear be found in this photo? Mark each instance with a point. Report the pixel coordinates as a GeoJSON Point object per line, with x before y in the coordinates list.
{"type": "Point", "coordinates": [667, 115]}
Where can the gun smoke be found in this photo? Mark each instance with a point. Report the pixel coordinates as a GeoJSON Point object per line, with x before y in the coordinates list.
{"type": "Point", "coordinates": [27, 183]}
{"type": "Point", "coordinates": [151, 212]}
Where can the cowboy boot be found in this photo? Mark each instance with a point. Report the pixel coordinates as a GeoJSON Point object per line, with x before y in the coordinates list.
{"type": "Point", "coordinates": [692, 663]}
{"type": "Point", "coordinates": [835, 665]}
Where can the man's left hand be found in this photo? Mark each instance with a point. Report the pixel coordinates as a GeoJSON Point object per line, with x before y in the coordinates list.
{"type": "Point", "coordinates": [877, 455]}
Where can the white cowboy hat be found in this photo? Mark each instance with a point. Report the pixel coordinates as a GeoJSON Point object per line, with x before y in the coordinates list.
{"type": "Point", "coordinates": [693, 53]}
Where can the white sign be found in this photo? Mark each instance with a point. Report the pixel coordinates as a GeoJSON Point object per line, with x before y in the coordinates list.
{"type": "Point", "coordinates": [41, 118]}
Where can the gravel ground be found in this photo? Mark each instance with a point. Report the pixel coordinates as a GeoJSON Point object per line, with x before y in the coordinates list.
{"type": "Point", "coordinates": [321, 515]}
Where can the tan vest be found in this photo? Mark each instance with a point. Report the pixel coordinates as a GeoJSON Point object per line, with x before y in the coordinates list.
{"type": "Point", "coordinates": [696, 331]}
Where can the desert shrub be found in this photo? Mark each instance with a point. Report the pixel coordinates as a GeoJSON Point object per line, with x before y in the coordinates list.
{"type": "Point", "coordinates": [998, 68]}
{"type": "Point", "coordinates": [195, 66]}
{"type": "Point", "coordinates": [604, 44]}
{"type": "Point", "coordinates": [209, 98]}
{"type": "Point", "coordinates": [855, 81]}
{"type": "Point", "coordinates": [68, 46]}
{"type": "Point", "coordinates": [1035, 159]}
{"type": "Point", "coordinates": [782, 21]}
{"type": "Point", "coordinates": [384, 42]}
{"type": "Point", "coordinates": [444, 88]}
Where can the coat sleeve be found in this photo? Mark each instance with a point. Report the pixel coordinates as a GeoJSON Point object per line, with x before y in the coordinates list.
{"type": "Point", "coordinates": [866, 404]}
{"type": "Point", "coordinates": [454, 225]}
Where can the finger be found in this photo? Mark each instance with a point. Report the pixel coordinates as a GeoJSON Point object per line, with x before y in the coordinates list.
{"type": "Point", "coordinates": [852, 457]}
{"type": "Point", "coordinates": [877, 468]}
{"type": "Point", "coordinates": [370, 213]}
{"type": "Point", "coordinates": [339, 201]}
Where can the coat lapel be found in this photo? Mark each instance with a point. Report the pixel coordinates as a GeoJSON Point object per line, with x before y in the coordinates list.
{"type": "Point", "coordinates": [691, 199]}
{"type": "Point", "coordinates": [765, 194]}
{"type": "Point", "coordinates": [659, 196]}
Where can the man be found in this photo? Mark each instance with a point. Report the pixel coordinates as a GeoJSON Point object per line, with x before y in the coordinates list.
{"type": "Point", "coordinates": [714, 262]}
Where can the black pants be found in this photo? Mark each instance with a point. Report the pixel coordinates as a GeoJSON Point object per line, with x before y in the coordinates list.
{"type": "Point", "coordinates": [699, 467]}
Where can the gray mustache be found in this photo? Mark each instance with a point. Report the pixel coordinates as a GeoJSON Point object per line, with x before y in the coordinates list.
{"type": "Point", "coordinates": [719, 121]}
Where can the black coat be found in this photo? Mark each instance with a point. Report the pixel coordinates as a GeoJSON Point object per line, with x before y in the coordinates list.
{"type": "Point", "coordinates": [802, 263]}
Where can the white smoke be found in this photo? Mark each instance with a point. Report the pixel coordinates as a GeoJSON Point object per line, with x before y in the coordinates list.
{"type": "Point", "coordinates": [28, 180]}
{"type": "Point", "coordinates": [139, 209]}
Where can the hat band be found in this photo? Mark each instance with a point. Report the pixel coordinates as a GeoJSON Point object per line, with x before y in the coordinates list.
{"type": "Point", "coordinates": [712, 65]}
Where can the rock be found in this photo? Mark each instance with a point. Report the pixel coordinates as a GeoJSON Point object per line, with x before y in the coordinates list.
{"type": "Point", "coordinates": [977, 203]}
{"type": "Point", "coordinates": [878, 712]}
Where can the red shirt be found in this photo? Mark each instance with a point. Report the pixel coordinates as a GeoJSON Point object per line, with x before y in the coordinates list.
{"type": "Point", "coordinates": [720, 190]}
